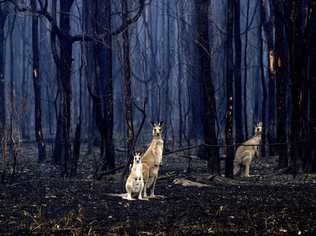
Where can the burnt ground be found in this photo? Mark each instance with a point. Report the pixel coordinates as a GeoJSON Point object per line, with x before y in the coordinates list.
{"type": "Point", "coordinates": [39, 202]}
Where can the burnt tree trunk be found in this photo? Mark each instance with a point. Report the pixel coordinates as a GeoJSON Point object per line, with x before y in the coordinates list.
{"type": "Point", "coordinates": [311, 36]}
{"type": "Point", "coordinates": [237, 75]}
{"type": "Point", "coordinates": [103, 98]}
{"type": "Point", "coordinates": [270, 126]}
{"type": "Point", "coordinates": [229, 90]}
{"type": "Point", "coordinates": [62, 151]}
{"type": "Point", "coordinates": [297, 64]}
{"type": "Point", "coordinates": [127, 83]}
{"type": "Point", "coordinates": [37, 85]}
{"type": "Point", "coordinates": [246, 71]}
{"type": "Point", "coordinates": [281, 73]}
{"type": "Point", "coordinates": [3, 17]}
{"type": "Point", "coordinates": [204, 54]}
{"type": "Point", "coordinates": [262, 78]}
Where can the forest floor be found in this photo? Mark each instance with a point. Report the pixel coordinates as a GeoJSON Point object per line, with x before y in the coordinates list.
{"type": "Point", "coordinates": [40, 202]}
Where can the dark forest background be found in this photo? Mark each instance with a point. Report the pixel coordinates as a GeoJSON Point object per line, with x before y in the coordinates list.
{"type": "Point", "coordinates": [76, 72]}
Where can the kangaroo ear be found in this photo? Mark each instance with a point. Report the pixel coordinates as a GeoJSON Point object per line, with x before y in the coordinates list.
{"type": "Point", "coordinates": [161, 123]}
{"type": "Point", "coordinates": [152, 123]}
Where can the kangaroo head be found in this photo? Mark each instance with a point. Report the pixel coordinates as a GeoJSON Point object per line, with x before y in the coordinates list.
{"type": "Point", "coordinates": [258, 128]}
{"type": "Point", "coordinates": [157, 129]}
{"type": "Point", "coordinates": [137, 158]}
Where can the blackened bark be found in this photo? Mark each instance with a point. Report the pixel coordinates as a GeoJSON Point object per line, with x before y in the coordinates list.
{"type": "Point", "coordinates": [267, 27]}
{"type": "Point", "coordinates": [62, 141]}
{"type": "Point", "coordinates": [281, 73]}
{"type": "Point", "coordinates": [262, 77]}
{"type": "Point", "coordinates": [246, 71]}
{"type": "Point", "coordinates": [237, 75]}
{"type": "Point", "coordinates": [209, 117]}
{"type": "Point", "coordinates": [127, 83]}
{"type": "Point", "coordinates": [103, 100]}
{"type": "Point", "coordinates": [270, 126]}
{"type": "Point", "coordinates": [3, 16]}
{"type": "Point", "coordinates": [229, 90]}
{"type": "Point", "coordinates": [297, 61]}
{"type": "Point", "coordinates": [37, 85]}
{"type": "Point", "coordinates": [311, 36]}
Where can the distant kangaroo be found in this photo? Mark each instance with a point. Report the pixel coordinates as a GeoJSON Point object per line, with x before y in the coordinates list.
{"type": "Point", "coordinates": [245, 154]}
{"type": "Point", "coordinates": [152, 159]}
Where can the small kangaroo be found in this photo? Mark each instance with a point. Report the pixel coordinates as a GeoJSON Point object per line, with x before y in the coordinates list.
{"type": "Point", "coordinates": [152, 159]}
{"type": "Point", "coordinates": [135, 181]}
{"type": "Point", "coordinates": [245, 154]}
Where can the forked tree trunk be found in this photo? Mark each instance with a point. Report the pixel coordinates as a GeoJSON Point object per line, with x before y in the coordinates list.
{"type": "Point", "coordinates": [62, 151]}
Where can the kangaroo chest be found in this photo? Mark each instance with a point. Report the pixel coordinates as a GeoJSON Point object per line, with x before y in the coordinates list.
{"type": "Point", "coordinates": [158, 152]}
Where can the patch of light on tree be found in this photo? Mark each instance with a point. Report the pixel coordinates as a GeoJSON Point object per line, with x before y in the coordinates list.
{"type": "Point", "coordinates": [35, 73]}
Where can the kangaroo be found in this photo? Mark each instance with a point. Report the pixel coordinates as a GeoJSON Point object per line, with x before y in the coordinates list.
{"type": "Point", "coordinates": [152, 159]}
{"type": "Point", "coordinates": [135, 181]}
{"type": "Point", "coordinates": [245, 154]}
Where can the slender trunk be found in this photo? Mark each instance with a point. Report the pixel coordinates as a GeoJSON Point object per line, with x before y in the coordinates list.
{"type": "Point", "coordinates": [263, 80]}
{"type": "Point", "coordinates": [229, 90]}
{"type": "Point", "coordinates": [297, 61]}
{"type": "Point", "coordinates": [312, 85]}
{"type": "Point", "coordinates": [204, 54]}
{"type": "Point", "coordinates": [12, 79]}
{"type": "Point", "coordinates": [62, 141]}
{"type": "Point", "coordinates": [103, 100]}
{"type": "Point", "coordinates": [246, 72]}
{"type": "Point", "coordinates": [180, 71]}
{"type": "Point", "coordinates": [127, 84]}
{"type": "Point", "coordinates": [3, 17]}
{"type": "Point", "coordinates": [37, 85]}
{"type": "Point", "coordinates": [281, 84]}
{"type": "Point", "coordinates": [237, 76]}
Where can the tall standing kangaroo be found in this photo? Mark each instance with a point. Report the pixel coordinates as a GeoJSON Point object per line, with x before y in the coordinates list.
{"type": "Point", "coordinates": [152, 159]}
{"type": "Point", "coordinates": [245, 154]}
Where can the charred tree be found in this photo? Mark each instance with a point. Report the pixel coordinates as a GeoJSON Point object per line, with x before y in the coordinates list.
{"type": "Point", "coordinates": [262, 75]}
{"type": "Point", "coordinates": [127, 83]}
{"type": "Point", "coordinates": [246, 71]}
{"type": "Point", "coordinates": [103, 94]}
{"type": "Point", "coordinates": [209, 108]}
{"type": "Point", "coordinates": [311, 37]}
{"type": "Point", "coordinates": [3, 17]}
{"type": "Point", "coordinates": [281, 73]}
{"type": "Point", "coordinates": [237, 75]}
{"type": "Point", "coordinates": [229, 90]}
{"type": "Point", "coordinates": [297, 62]}
{"type": "Point", "coordinates": [62, 151]}
{"type": "Point", "coordinates": [37, 85]}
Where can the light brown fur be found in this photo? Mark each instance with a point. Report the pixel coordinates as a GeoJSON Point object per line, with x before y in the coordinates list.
{"type": "Point", "coordinates": [245, 154]}
{"type": "Point", "coordinates": [135, 181]}
{"type": "Point", "coordinates": [152, 159]}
